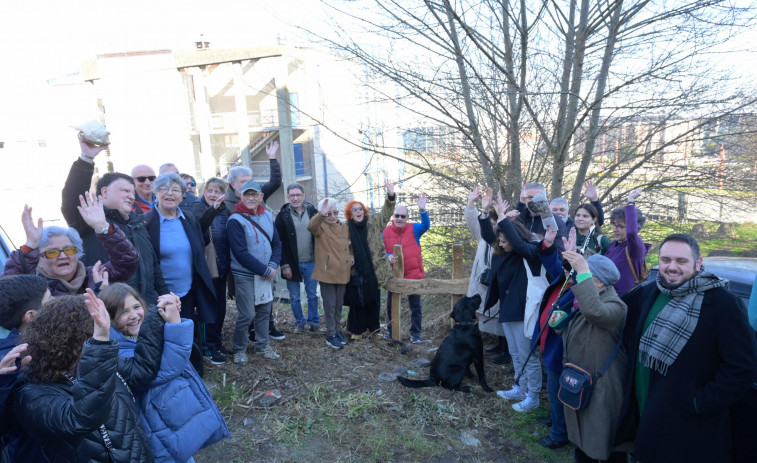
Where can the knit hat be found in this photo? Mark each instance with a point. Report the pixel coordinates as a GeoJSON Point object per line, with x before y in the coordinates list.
{"type": "Point", "coordinates": [603, 269]}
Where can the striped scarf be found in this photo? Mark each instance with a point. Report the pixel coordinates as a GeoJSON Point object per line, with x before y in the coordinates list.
{"type": "Point", "coordinates": [668, 333]}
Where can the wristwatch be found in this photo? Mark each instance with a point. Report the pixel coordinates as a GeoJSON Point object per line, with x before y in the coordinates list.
{"type": "Point", "coordinates": [105, 230]}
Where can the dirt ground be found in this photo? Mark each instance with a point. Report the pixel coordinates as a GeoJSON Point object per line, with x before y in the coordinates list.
{"type": "Point", "coordinates": [346, 405]}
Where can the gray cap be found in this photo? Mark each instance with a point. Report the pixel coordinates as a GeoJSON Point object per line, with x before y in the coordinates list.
{"type": "Point", "coordinates": [251, 185]}
{"type": "Point", "coordinates": [603, 269]}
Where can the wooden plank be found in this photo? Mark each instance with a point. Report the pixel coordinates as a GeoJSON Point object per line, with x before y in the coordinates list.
{"type": "Point", "coordinates": [457, 272]}
{"type": "Point", "coordinates": [457, 287]}
{"type": "Point", "coordinates": [399, 272]}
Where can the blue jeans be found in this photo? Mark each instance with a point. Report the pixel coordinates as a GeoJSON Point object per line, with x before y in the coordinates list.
{"type": "Point", "coordinates": [306, 269]}
{"type": "Point", "coordinates": [558, 432]}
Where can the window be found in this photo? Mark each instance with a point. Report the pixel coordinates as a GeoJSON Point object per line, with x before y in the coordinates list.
{"type": "Point", "coordinates": [299, 162]}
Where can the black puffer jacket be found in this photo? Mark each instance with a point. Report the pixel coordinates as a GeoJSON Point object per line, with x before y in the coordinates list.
{"type": "Point", "coordinates": [64, 418]}
{"type": "Point", "coordinates": [148, 279]}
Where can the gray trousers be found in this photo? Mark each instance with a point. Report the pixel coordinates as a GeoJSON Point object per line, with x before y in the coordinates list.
{"type": "Point", "coordinates": [246, 311]}
{"type": "Point", "coordinates": [519, 347]}
{"type": "Point", "coordinates": [333, 300]}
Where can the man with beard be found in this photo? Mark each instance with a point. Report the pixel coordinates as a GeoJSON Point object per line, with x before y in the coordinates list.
{"type": "Point", "coordinates": [691, 356]}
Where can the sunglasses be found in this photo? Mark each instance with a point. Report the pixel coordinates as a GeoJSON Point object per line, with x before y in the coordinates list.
{"type": "Point", "coordinates": [357, 209]}
{"type": "Point", "coordinates": [191, 183]}
{"type": "Point", "coordinates": [400, 216]}
{"type": "Point", "coordinates": [143, 179]}
{"type": "Point", "coordinates": [54, 253]}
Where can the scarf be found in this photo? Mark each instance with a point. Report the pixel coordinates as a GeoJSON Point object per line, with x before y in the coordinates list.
{"type": "Point", "coordinates": [241, 208]}
{"type": "Point", "coordinates": [75, 285]}
{"type": "Point", "coordinates": [363, 258]}
{"type": "Point", "coordinates": [668, 333]}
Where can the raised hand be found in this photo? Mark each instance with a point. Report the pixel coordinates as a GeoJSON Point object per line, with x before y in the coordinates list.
{"type": "Point", "coordinates": [549, 236]}
{"type": "Point", "coordinates": [90, 150]}
{"type": "Point", "coordinates": [570, 243]}
{"type": "Point", "coordinates": [219, 202]}
{"type": "Point", "coordinates": [33, 233]}
{"type": "Point", "coordinates": [389, 187]}
{"type": "Point", "coordinates": [100, 274]}
{"type": "Point", "coordinates": [91, 210]}
{"type": "Point", "coordinates": [99, 315]}
{"type": "Point", "coordinates": [576, 261]}
{"type": "Point", "coordinates": [591, 191]}
{"type": "Point", "coordinates": [486, 199]}
{"type": "Point", "coordinates": [169, 308]}
{"type": "Point", "coordinates": [8, 363]}
{"type": "Point", "coordinates": [325, 208]}
{"type": "Point", "coordinates": [271, 149]}
{"type": "Point", "coordinates": [472, 196]}
{"type": "Point", "coordinates": [634, 194]}
{"type": "Point", "coordinates": [422, 201]}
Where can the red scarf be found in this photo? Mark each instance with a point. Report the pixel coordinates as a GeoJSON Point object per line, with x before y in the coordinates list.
{"type": "Point", "coordinates": [241, 208]}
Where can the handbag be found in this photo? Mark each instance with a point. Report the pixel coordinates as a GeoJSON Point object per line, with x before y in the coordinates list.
{"type": "Point", "coordinates": [211, 258]}
{"type": "Point", "coordinates": [353, 294]}
{"type": "Point", "coordinates": [576, 383]}
{"type": "Point", "coordinates": [537, 284]}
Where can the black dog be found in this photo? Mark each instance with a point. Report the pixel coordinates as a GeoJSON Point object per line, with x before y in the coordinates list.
{"type": "Point", "coordinates": [461, 347]}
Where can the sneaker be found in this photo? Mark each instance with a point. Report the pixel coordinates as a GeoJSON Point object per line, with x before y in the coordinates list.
{"type": "Point", "coordinates": [317, 329]}
{"type": "Point", "coordinates": [299, 329]}
{"type": "Point", "coordinates": [206, 353]}
{"type": "Point", "coordinates": [342, 338]}
{"type": "Point", "coordinates": [356, 337]}
{"type": "Point", "coordinates": [226, 351]}
{"type": "Point", "coordinates": [513, 394]}
{"type": "Point", "coordinates": [240, 357]}
{"type": "Point", "coordinates": [217, 358]}
{"type": "Point", "coordinates": [267, 352]}
{"type": "Point", "coordinates": [276, 334]}
{"type": "Point", "coordinates": [526, 405]}
{"type": "Point", "coordinates": [415, 339]}
{"type": "Point", "coordinates": [334, 342]}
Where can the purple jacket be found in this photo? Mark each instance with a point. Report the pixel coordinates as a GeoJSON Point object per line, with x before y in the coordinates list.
{"type": "Point", "coordinates": [123, 262]}
{"type": "Point", "coordinates": [637, 249]}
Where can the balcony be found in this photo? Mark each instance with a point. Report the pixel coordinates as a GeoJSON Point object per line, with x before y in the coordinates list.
{"type": "Point", "coordinates": [226, 122]}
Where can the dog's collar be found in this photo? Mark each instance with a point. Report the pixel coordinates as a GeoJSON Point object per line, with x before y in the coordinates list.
{"type": "Point", "coordinates": [473, 322]}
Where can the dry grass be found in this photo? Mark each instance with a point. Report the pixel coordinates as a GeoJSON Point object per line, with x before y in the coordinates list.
{"type": "Point", "coordinates": [334, 407]}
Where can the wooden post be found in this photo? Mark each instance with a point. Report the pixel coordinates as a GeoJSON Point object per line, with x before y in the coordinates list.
{"type": "Point", "coordinates": [457, 269]}
{"type": "Point", "coordinates": [399, 272]}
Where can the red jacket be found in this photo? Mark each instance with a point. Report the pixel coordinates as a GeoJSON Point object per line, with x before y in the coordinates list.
{"type": "Point", "coordinates": [411, 250]}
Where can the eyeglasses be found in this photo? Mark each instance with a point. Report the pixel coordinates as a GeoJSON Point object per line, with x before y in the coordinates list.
{"type": "Point", "coordinates": [54, 253]}
{"type": "Point", "coordinates": [143, 179]}
{"type": "Point", "coordinates": [296, 195]}
{"type": "Point", "coordinates": [251, 194]}
{"type": "Point", "coordinates": [400, 216]}
{"type": "Point", "coordinates": [173, 191]}
{"type": "Point", "coordinates": [191, 183]}
{"type": "Point", "coordinates": [618, 225]}
{"type": "Point", "coordinates": [357, 209]}
{"type": "Point", "coordinates": [332, 214]}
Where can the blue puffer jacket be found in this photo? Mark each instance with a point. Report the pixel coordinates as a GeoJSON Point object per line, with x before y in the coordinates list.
{"type": "Point", "coordinates": [177, 411]}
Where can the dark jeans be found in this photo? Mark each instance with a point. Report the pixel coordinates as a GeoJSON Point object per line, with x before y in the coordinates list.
{"type": "Point", "coordinates": [416, 315]}
{"type": "Point", "coordinates": [558, 432]}
{"type": "Point", "coordinates": [213, 331]}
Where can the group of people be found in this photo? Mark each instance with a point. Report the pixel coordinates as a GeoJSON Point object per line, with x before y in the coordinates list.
{"type": "Point", "coordinates": [104, 324]}
{"type": "Point", "coordinates": [669, 360]}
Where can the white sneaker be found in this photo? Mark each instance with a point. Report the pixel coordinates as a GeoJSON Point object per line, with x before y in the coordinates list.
{"type": "Point", "coordinates": [240, 357]}
{"type": "Point", "coordinates": [513, 394]}
{"type": "Point", "coordinates": [526, 405]}
{"type": "Point", "coordinates": [268, 353]}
